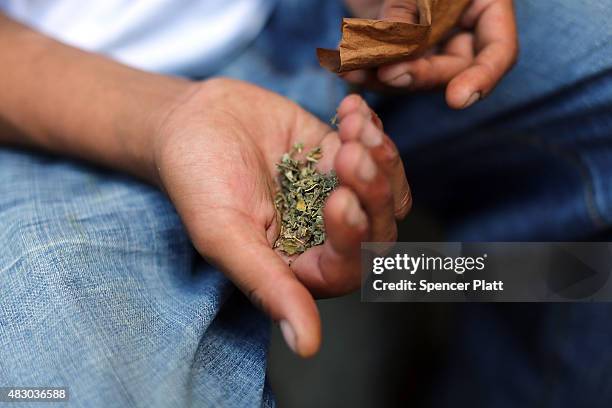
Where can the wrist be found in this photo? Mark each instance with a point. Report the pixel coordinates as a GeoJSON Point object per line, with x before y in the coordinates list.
{"type": "Point", "coordinates": [195, 101]}
{"type": "Point", "coordinates": [142, 126]}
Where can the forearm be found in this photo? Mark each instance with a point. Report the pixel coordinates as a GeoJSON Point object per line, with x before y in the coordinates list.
{"type": "Point", "coordinates": [71, 102]}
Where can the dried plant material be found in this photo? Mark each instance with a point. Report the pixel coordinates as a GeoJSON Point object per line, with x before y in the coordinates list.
{"type": "Point", "coordinates": [300, 201]}
{"type": "Point", "coordinates": [371, 43]}
{"type": "Point", "coordinates": [334, 121]}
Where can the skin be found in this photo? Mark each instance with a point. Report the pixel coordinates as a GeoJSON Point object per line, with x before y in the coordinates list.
{"type": "Point", "coordinates": [212, 146]}
{"type": "Point", "coordinates": [469, 64]}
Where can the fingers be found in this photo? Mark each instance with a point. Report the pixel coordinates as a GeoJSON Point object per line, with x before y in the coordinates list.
{"type": "Point", "coordinates": [373, 193]}
{"type": "Point", "coordinates": [431, 71]}
{"type": "Point", "coordinates": [357, 77]}
{"type": "Point", "coordinates": [497, 50]}
{"type": "Point", "coordinates": [405, 11]}
{"type": "Point", "coordinates": [470, 64]}
{"type": "Point", "coordinates": [334, 268]}
{"type": "Point", "coordinates": [356, 169]}
{"type": "Point", "coordinates": [243, 253]}
{"type": "Point", "coordinates": [393, 10]}
{"type": "Point", "coordinates": [357, 113]}
{"type": "Point", "coordinates": [359, 123]}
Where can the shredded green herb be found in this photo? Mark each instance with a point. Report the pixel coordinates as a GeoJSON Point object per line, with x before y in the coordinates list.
{"type": "Point", "coordinates": [300, 200]}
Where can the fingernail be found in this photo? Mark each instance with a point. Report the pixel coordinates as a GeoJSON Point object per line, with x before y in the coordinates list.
{"type": "Point", "coordinates": [401, 81]}
{"type": "Point", "coordinates": [364, 108]}
{"type": "Point", "coordinates": [358, 105]}
{"type": "Point", "coordinates": [472, 100]}
{"type": "Point", "coordinates": [367, 169]}
{"type": "Point", "coordinates": [289, 335]}
{"type": "Point", "coordinates": [389, 73]}
{"type": "Point", "coordinates": [354, 215]}
{"type": "Point", "coordinates": [371, 135]}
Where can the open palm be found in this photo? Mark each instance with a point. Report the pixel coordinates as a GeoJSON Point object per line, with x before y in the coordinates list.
{"type": "Point", "coordinates": [218, 165]}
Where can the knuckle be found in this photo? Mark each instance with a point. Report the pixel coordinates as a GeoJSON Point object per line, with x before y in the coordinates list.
{"type": "Point", "coordinates": [347, 158]}
{"type": "Point", "coordinates": [387, 196]}
{"type": "Point", "coordinates": [512, 51]}
{"type": "Point", "coordinates": [419, 74]}
{"type": "Point", "coordinates": [384, 195]}
{"type": "Point", "coordinates": [404, 206]}
{"type": "Point", "coordinates": [425, 76]}
{"type": "Point", "coordinates": [394, 160]}
{"type": "Point", "coordinates": [344, 277]}
{"type": "Point", "coordinates": [345, 284]}
{"type": "Point", "coordinates": [390, 234]}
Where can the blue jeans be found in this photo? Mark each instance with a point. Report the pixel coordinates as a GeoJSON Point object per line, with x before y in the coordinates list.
{"type": "Point", "coordinates": [101, 291]}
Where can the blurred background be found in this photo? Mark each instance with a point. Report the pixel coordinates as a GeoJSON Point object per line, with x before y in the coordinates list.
{"type": "Point", "coordinates": [373, 354]}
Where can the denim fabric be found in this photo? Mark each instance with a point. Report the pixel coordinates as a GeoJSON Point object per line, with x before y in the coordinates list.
{"type": "Point", "coordinates": [101, 291]}
{"type": "Point", "coordinates": [531, 162]}
{"type": "Point", "coordinates": [283, 57]}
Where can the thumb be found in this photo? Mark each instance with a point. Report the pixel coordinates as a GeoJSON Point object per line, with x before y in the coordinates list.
{"type": "Point", "coordinates": [246, 257]}
{"type": "Point", "coordinates": [404, 11]}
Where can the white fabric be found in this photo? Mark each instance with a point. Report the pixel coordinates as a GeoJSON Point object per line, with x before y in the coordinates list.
{"type": "Point", "coordinates": [172, 36]}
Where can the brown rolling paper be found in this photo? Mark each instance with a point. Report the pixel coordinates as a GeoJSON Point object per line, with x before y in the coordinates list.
{"type": "Point", "coordinates": [372, 43]}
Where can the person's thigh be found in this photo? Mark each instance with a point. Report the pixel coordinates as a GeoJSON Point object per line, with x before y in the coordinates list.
{"type": "Point", "coordinates": [102, 292]}
{"type": "Point", "coordinates": [560, 82]}
{"type": "Point", "coordinates": [527, 355]}
{"type": "Point", "coordinates": [562, 44]}
{"type": "Point", "coordinates": [532, 160]}
{"type": "Point", "coordinates": [532, 174]}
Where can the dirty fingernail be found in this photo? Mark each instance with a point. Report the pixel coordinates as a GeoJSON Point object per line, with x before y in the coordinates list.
{"type": "Point", "coordinates": [367, 169]}
{"type": "Point", "coordinates": [289, 335]}
{"type": "Point", "coordinates": [402, 81]}
{"type": "Point", "coordinates": [391, 72]}
{"type": "Point", "coordinates": [472, 100]}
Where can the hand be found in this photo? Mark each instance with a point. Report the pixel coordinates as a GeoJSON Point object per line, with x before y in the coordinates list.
{"type": "Point", "coordinates": [216, 154]}
{"type": "Point", "coordinates": [470, 63]}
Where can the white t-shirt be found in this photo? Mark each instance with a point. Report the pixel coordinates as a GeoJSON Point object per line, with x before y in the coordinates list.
{"type": "Point", "coordinates": [184, 37]}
